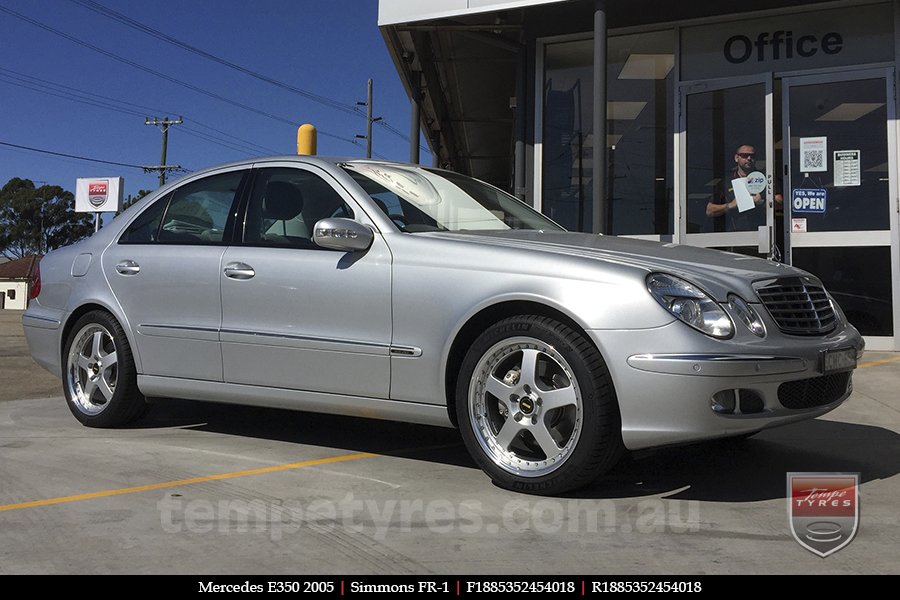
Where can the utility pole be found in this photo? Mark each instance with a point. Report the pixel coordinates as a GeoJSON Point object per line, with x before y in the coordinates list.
{"type": "Point", "coordinates": [164, 126]}
{"type": "Point", "coordinates": [369, 120]}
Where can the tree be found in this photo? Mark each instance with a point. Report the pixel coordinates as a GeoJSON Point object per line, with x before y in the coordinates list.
{"type": "Point", "coordinates": [37, 220]}
{"type": "Point", "coordinates": [132, 200]}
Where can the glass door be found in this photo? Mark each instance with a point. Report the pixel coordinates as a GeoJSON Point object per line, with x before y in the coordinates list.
{"type": "Point", "coordinates": [727, 192]}
{"type": "Point", "coordinates": [840, 176]}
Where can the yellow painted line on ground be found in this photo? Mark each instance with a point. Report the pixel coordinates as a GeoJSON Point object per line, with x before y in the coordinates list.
{"type": "Point", "coordinates": [875, 363]}
{"type": "Point", "coordinates": [181, 482]}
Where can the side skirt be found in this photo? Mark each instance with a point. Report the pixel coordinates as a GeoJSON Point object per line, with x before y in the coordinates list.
{"type": "Point", "coordinates": [335, 404]}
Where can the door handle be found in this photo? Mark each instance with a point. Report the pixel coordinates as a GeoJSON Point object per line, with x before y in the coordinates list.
{"type": "Point", "coordinates": [239, 270]}
{"type": "Point", "coordinates": [128, 267]}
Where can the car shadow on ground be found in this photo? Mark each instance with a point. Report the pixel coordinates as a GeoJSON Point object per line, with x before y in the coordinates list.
{"type": "Point", "coordinates": [746, 470]}
{"type": "Point", "coordinates": [419, 442]}
{"type": "Point", "coordinates": [753, 469]}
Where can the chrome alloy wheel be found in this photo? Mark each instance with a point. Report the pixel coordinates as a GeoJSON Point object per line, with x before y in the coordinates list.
{"type": "Point", "coordinates": [92, 369]}
{"type": "Point", "coordinates": [525, 406]}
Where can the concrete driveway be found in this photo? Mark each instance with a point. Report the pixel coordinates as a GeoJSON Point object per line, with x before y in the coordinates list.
{"type": "Point", "coordinates": [202, 488]}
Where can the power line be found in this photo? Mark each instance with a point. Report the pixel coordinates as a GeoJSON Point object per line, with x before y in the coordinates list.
{"type": "Point", "coordinates": [161, 75]}
{"type": "Point", "coordinates": [76, 157]}
{"type": "Point", "coordinates": [58, 90]}
{"type": "Point", "coordinates": [64, 95]}
{"type": "Point", "coordinates": [246, 150]}
{"type": "Point", "coordinates": [105, 11]}
{"type": "Point", "coordinates": [129, 22]}
{"type": "Point", "coordinates": [240, 145]}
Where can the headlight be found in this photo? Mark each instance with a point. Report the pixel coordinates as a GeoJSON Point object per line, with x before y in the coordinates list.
{"type": "Point", "coordinates": [746, 315]}
{"type": "Point", "coordinates": [690, 304]}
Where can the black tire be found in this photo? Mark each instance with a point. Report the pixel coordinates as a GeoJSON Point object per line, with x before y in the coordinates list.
{"type": "Point", "coordinates": [506, 409]}
{"type": "Point", "coordinates": [99, 376]}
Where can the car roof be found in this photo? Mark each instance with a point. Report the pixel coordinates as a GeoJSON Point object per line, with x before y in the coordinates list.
{"type": "Point", "coordinates": [300, 159]}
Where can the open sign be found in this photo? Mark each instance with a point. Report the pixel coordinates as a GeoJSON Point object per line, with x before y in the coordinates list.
{"type": "Point", "coordinates": [808, 201]}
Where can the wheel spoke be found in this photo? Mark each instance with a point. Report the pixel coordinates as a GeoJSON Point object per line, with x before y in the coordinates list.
{"type": "Point", "coordinates": [559, 398]}
{"type": "Point", "coordinates": [89, 387]}
{"type": "Point", "coordinates": [105, 389]}
{"type": "Point", "coordinates": [545, 440]}
{"type": "Point", "coordinates": [508, 433]}
{"type": "Point", "coordinates": [529, 367]}
{"type": "Point", "coordinates": [498, 388]}
{"type": "Point", "coordinates": [109, 360]}
{"type": "Point", "coordinates": [96, 343]}
{"type": "Point", "coordinates": [83, 362]}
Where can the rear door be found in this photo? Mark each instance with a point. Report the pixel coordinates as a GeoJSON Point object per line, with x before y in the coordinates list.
{"type": "Point", "coordinates": [165, 271]}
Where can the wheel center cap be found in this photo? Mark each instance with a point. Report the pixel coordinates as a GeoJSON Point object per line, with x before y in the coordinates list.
{"type": "Point", "coordinates": [526, 405]}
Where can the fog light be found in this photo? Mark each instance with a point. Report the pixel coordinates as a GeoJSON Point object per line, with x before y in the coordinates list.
{"type": "Point", "coordinates": [751, 402]}
{"type": "Point", "coordinates": [723, 402]}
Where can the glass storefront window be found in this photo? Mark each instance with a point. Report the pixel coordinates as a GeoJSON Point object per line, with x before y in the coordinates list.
{"type": "Point", "coordinates": [639, 133]}
{"type": "Point", "coordinates": [850, 177]}
{"type": "Point", "coordinates": [855, 277]}
{"type": "Point", "coordinates": [568, 134]}
{"type": "Point", "coordinates": [727, 141]}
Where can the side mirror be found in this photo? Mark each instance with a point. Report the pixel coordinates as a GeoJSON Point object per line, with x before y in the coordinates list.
{"type": "Point", "coordinates": [342, 234]}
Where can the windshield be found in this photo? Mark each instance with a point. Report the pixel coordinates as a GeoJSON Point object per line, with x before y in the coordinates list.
{"type": "Point", "coordinates": [419, 199]}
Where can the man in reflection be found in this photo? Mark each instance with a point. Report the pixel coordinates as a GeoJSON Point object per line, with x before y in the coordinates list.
{"type": "Point", "coordinates": [723, 206]}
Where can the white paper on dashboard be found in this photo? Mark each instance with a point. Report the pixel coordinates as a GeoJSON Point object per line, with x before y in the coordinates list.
{"type": "Point", "coordinates": [742, 195]}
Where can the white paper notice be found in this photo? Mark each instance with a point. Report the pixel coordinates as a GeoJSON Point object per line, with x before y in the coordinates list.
{"type": "Point", "coordinates": [742, 195]}
{"type": "Point", "coordinates": [813, 157]}
{"type": "Point", "coordinates": [846, 168]}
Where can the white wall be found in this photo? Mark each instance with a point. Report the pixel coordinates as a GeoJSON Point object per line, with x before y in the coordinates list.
{"type": "Point", "coordinates": [21, 293]}
{"type": "Point", "coordinates": [391, 12]}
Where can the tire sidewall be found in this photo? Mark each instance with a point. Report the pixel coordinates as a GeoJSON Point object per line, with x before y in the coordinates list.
{"type": "Point", "coordinates": [126, 402]}
{"type": "Point", "coordinates": [597, 418]}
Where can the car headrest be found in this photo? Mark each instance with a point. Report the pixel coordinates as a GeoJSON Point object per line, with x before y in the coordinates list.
{"type": "Point", "coordinates": [283, 201]}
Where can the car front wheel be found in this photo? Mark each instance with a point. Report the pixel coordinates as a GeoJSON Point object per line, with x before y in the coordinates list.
{"type": "Point", "coordinates": [100, 380]}
{"type": "Point", "coordinates": [536, 406]}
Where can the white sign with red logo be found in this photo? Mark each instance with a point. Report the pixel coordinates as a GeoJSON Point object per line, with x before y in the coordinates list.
{"type": "Point", "coordinates": [823, 509]}
{"type": "Point", "coordinates": [101, 194]}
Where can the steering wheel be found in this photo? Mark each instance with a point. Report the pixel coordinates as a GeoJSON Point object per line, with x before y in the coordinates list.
{"type": "Point", "coordinates": [399, 220]}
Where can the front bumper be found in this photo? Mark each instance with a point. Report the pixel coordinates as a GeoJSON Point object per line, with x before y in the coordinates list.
{"type": "Point", "coordinates": [718, 388]}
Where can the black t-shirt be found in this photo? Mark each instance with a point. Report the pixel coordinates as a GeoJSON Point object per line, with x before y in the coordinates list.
{"type": "Point", "coordinates": [733, 219]}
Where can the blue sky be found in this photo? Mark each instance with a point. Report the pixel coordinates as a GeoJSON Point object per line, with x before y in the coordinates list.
{"type": "Point", "coordinates": [325, 47]}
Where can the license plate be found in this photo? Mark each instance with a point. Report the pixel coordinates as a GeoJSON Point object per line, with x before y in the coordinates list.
{"type": "Point", "coordinates": [834, 361]}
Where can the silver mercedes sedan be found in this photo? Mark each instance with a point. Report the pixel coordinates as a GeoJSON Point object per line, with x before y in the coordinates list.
{"type": "Point", "coordinates": [401, 292]}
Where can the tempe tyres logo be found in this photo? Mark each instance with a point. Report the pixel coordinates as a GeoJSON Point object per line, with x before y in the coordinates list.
{"type": "Point", "coordinates": [98, 192]}
{"type": "Point", "coordinates": [823, 509]}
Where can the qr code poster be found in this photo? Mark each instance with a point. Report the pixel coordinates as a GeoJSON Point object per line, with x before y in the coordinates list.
{"type": "Point", "coordinates": [813, 153]}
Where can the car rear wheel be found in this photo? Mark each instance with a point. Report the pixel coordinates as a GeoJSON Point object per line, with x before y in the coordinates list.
{"type": "Point", "coordinates": [536, 406]}
{"type": "Point", "coordinates": [100, 377]}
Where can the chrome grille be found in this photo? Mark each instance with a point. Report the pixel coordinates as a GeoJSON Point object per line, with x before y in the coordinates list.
{"type": "Point", "coordinates": [798, 307]}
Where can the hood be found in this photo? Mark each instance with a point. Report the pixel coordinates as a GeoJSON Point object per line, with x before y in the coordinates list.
{"type": "Point", "coordinates": [715, 271]}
